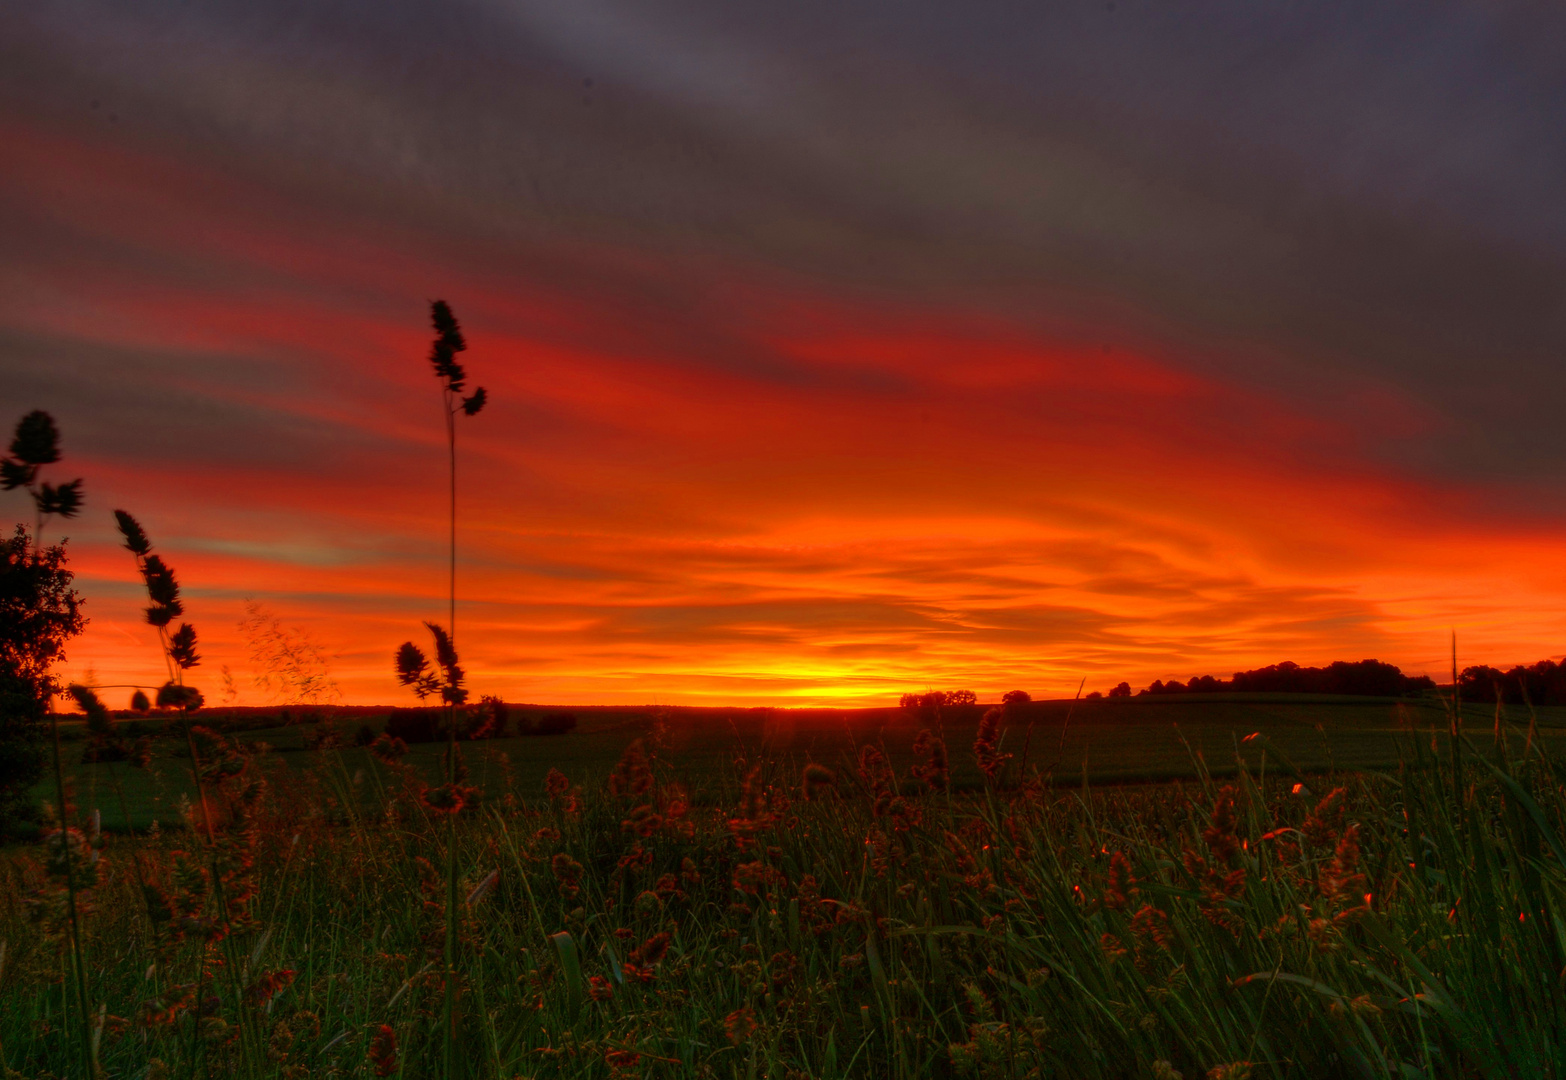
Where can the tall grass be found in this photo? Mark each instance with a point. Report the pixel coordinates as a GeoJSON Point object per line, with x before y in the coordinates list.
{"type": "Point", "coordinates": [817, 923]}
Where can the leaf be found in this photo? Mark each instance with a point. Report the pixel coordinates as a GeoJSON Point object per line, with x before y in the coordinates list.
{"type": "Point", "coordinates": [571, 962]}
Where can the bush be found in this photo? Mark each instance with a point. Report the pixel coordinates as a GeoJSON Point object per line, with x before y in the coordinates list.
{"type": "Point", "coordinates": [414, 726]}
{"type": "Point", "coordinates": [555, 724]}
{"type": "Point", "coordinates": [39, 611]}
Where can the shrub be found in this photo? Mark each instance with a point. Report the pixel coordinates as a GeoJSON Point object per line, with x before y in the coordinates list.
{"type": "Point", "coordinates": [555, 724]}
{"type": "Point", "coordinates": [414, 725]}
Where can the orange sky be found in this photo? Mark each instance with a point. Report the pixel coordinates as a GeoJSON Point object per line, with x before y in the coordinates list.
{"type": "Point", "coordinates": [764, 459]}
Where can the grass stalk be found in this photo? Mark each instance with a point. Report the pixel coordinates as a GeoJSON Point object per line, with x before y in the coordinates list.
{"type": "Point", "coordinates": [78, 965]}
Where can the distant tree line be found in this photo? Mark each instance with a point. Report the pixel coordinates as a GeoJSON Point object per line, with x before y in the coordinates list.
{"type": "Point", "coordinates": [1369, 678]}
{"type": "Point", "coordinates": [1365, 678]}
{"type": "Point", "coordinates": [1543, 683]}
{"type": "Point", "coordinates": [492, 719]}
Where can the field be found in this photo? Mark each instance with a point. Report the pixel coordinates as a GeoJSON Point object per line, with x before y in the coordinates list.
{"type": "Point", "coordinates": [1112, 742]}
{"type": "Point", "coordinates": [790, 894]}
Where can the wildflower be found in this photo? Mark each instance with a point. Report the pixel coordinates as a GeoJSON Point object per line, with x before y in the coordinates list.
{"type": "Point", "coordinates": [815, 780]}
{"type": "Point", "coordinates": [783, 968]}
{"type": "Point", "coordinates": [1162, 1070]}
{"type": "Point", "coordinates": [739, 1025]}
{"type": "Point", "coordinates": [556, 784]}
{"type": "Point", "coordinates": [599, 988]}
{"type": "Point", "coordinates": [1122, 886]}
{"type": "Point", "coordinates": [644, 821]}
{"type": "Point", "coordinates": [1340, 880]}
{"type": "Point", "coordinates": [652, 950]}
{"type": "Point", "coordinates": [667, 887]}
{"type": "Point", "coordinates": [621, 1061]}
{"type": "Point", "coordinates": [383, 1051]}
{"type": "Point", "coordinates": [388, 749]}
{"type": "Point", "coordinates": [986, 745]}
{"type": "Point", "coordinates": [631, 775]}
{"type": "Point", "coordinates": [1220, 833]}
{"type": "Point", "coordinates": [1151, 927]}
{"type": "Point", "coordinates": [752, 877]}
{"type": "Point", "coordinates": [449, 798]}
{"type": "Point", "coordinates": [1236, 1070]}
{"type": "Point", "coordinates": [934, 771]}
{"type": "Point", "coordinates": [1325, 822]}
{"type": "Point", "coordinates": [568, 872]}
{"type": "Point", "coordinates": [269, 985]}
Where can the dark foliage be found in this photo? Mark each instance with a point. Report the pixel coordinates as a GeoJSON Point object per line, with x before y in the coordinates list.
{"type": "Point", "coordinates": [172, 695]}
{"type": "Point", "coordinates": [443, 357]}
{"type": "Point", "coordinates": [1543, 683]}
{"type": "Point", "coordinates": [179, 646]}
{"type": "Point", "coordinates": [1366, 678]}
{"type": "Point", "coordinates": [428, 725]}
{"type": "Point", "coordinates": [413, 668]}
{"type": "Point", "coordinates": [415, 726]}
{"type": "Point", "coordinates": [413, 671]}
{"type": "Point", "coordinates": [36, 444]}
{"type": "Point", "coordinates": [39, 612]}
{"type": "Point", "coordinates": [554, 724]}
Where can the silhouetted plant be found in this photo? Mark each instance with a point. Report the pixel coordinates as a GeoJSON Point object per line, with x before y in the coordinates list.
{"type": "Point", "coordinates": [413, 668]}
{"type": "Point", "coordinates": [290, 666]}
{"type": "Point", "coordinates": [179, 646]}
{"type": "Point", "coordinates": [36, 444]}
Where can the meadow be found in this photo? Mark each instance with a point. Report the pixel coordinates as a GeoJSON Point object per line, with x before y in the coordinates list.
{"type": "Point", "coordinates": [1247, 887]}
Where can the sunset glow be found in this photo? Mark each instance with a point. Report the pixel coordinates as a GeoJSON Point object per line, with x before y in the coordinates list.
{"type": "Point", "coordinates": [806, 459]}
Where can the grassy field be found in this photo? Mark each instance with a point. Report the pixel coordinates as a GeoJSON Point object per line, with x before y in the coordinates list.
{"type": "Point", "coordinates": [791, 895]}
{"type": "Point", "coordinates": [1130, 740]}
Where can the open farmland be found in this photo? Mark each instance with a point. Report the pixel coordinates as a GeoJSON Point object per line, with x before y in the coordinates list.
{"type": "Point", "coordinates": [770, 895]}
{"type": "Point", "coordinates": [1115, 741]}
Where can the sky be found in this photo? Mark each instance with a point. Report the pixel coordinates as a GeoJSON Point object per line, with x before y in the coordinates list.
{"type": "Point", "coordinates": [834, 350]}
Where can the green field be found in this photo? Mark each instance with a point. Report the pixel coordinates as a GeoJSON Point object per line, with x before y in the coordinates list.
{"type": "Point", "coordinates": [755, 894]}
{"type": "Point", "coordinates": [1120, 741]}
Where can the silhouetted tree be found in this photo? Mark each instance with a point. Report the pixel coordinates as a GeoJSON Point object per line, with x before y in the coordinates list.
{"type": "Point", "coordinates": [39, 612]}
{"type": "Point", "coordinates": [1122, 689]}
{"type": "Point", "coordinates": [1541, 683]}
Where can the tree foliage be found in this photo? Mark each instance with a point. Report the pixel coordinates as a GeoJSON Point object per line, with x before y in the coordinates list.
{"type": "Point", "coordinates": [39, 613]}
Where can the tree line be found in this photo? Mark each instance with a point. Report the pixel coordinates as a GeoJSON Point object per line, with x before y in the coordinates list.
{"type": "Point", "coordinates": [1543, 683]}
